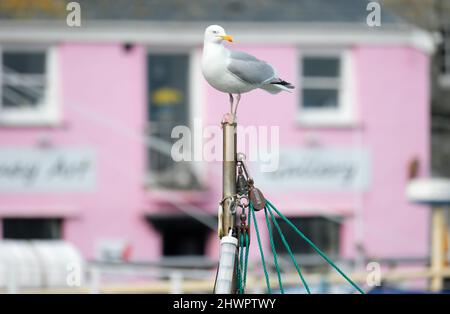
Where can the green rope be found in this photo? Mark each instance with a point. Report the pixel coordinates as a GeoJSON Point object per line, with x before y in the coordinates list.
{"type": "Point", "coordinates": [238, 277]}
{"type": "Point", "coordinates": [286, 245]}
{"type": "Point", "coordinates": [315, 248]}
{"type": "Point", "coordinates": [241, 263]}
{"type": "Point", "coordinates": [266, 274]}
{"type": "Point", "coordinates": [274, 251]}
{"type": "Point", "coordinates": [247, 250]}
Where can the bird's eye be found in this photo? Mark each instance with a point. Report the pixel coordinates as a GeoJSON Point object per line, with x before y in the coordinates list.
{"type": "Point", "coordinates": [215, 32]}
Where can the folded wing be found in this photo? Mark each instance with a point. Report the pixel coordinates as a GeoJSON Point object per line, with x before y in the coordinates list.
{"type": "Point", "coordinates": [250, 69]}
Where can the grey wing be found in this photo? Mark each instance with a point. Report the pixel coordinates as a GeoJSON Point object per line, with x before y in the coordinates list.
{"type": "Point", "coordinates": [250, 69]}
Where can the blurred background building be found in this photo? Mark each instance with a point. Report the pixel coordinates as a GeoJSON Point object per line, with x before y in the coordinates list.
{"type": "Point", "coordinates": [434, 16]}
{"type": "Point", "coordinates": [87, 114]}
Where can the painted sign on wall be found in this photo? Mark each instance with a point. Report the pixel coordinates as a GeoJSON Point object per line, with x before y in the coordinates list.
{"type": "Point", "coordinates": [322, 169]}
{"type": "Point", "coordinates": [28, 169]}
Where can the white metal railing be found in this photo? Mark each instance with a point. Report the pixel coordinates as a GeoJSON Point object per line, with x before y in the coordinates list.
{"type": "Point", "coordinates": [158, 278]}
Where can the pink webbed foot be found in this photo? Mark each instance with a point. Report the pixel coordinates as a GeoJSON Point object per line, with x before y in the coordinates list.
{"type": "Point", "coordinates": [228, 118]}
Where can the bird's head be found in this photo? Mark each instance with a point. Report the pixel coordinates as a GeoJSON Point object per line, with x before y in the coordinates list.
{"type": "Point", "coordinates": [216, 34]}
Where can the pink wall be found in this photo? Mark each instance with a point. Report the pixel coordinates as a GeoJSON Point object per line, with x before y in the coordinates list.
{"type": "Point", "coordinates": [103, 99]}
{"type": "Point", "coordinates": [395, 108]}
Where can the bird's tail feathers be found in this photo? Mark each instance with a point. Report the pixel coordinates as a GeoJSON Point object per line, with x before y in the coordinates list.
{"type": "Point", "coordinates": [275, 88]}
{"type": "Point", "coordinates": [280, 82]}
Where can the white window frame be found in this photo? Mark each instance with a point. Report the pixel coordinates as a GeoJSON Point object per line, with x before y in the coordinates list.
{"type": "Point", "coordinates": [47, 113]}
{"type": "Point", "coordinates": [196, 101]}
{"type": "Point", "coordinates": [344, 114]}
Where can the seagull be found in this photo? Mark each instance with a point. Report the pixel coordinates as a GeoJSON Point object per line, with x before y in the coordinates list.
{"type": "Point", "coordinates": [236, 72]}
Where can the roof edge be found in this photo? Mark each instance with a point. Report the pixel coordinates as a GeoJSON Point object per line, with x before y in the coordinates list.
{"type": "Point", "coordinates": [170, 33]}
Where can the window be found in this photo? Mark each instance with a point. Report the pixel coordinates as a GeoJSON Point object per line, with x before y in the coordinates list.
{"type": "Point", "coordinates": [182, 235]}
{"type": "Point", "coordinates": [27, 85]}
{"type": "Point", "coordinates": [324, 232]}
{"type": "Point", "coordinates": [184, 242]}
{"type": "Point", "coordinates": [444, 57]}
{"type": "Point", "coordinates": [32, 228]}
{"type": "Point", "coordinates": [325, 89]}
{"type": "Point", "coordinates": [168, 107]}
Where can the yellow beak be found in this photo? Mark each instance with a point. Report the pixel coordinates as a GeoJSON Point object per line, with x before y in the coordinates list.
{"type": "Point", "coordinates": [227, 38]}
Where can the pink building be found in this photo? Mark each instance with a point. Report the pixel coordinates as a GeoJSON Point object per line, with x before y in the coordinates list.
{"type": "Point", "coordinates": [87, 114]}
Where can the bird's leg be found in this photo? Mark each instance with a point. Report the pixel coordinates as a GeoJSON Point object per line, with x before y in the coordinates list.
{"type": "Point", "coordinates": [231, 102]}
{"type": "Point", "coordinates": [237, 104]}
{"type": "Point", "coordinates": [228, 117]}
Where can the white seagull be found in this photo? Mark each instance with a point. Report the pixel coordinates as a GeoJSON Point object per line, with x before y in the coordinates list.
{"type": "Point", "coordinates": [236, 72]}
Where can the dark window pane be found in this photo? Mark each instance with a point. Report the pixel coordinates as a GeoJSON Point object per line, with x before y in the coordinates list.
{"type": "Point", "coordinates": [168, 97]}
{"type": "Point", "coordinates": [168, 93]}
{"type": "Point", "coordinates": [32, 228]}
{"type": "Point", "coordinates": [445, 51]}
{"type": "Point", "coordinates": [322, 232]}
{"type": "Point", "coordinates": [181, 234]}
{"type": "Point", "coordinates": [17, 96]}
{"type": "Point", "coordinates": [184, 242]}
{"type": "Point", "coordinates": [24, 62]}
{"type": "Point", "coordinates": [320, 67]}
{"type": "Point", "coordinates": [320, 98]}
